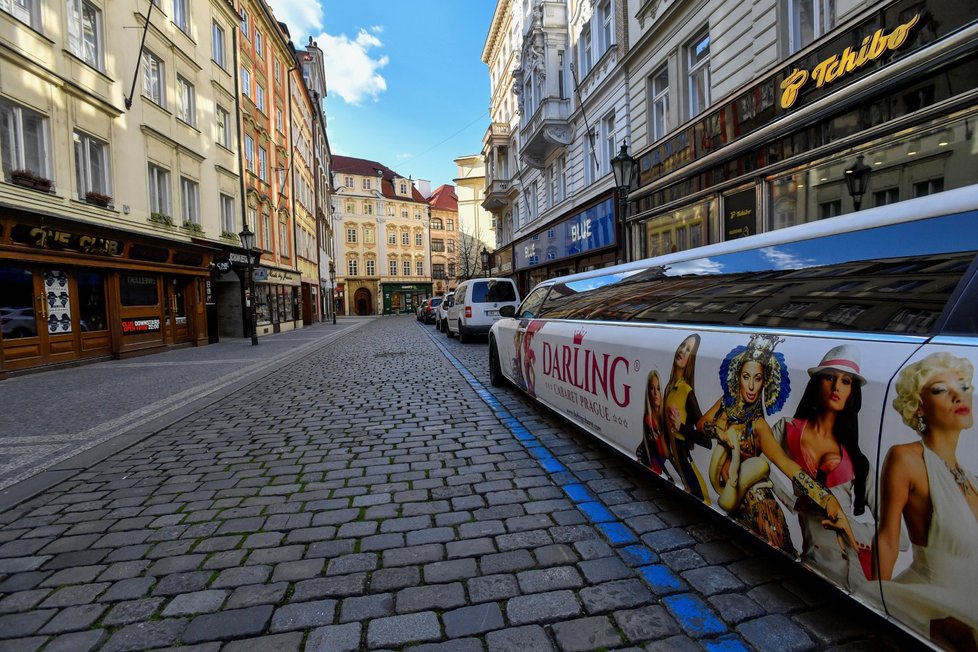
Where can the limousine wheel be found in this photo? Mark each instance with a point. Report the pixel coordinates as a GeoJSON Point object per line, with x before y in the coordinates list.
{"type": "Point", "coordinates": [496, 378]}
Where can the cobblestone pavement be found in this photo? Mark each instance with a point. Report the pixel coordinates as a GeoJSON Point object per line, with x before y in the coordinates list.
{"type": "Point", "coordinates": [374, 495]}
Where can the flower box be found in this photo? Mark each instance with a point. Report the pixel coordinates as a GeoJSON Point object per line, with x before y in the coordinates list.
{"type": "Point", "coordinates": [29, 179]}
{"type": "Point", "coordinates": [98, 199]}
{"type": "Point", "coordinates": [161, 218]}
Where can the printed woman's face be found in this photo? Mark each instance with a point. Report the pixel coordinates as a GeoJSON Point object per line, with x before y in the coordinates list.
{"type": "Point", "coordinates": [834, 390]}
{"type": "Point", "coordinates": [945, 401]}
{"type": "Point", "coordinates": [684, 352]}
{"type": "Point", "coordinates": [751, 381]}
{"type": "Point", "coordinates": [655, 393]}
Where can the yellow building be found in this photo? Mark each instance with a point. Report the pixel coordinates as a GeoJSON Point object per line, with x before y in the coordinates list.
{"type": "Point", "coordinates": [381, 225]}
{"type": "Point", "coordinates": [119, 175]}
{"type": "Point", "coordinates": [477, 226]}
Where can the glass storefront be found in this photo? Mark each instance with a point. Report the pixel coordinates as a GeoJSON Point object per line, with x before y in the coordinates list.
{"type": "Point", "coordinates": [684, 228]}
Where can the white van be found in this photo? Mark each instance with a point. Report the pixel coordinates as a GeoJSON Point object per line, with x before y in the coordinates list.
{"type": "Point", "coordinates": [476, 306]}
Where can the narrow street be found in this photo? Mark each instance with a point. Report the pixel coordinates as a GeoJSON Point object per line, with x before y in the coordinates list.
{"type": "Point", "coordinates": [372, 491]}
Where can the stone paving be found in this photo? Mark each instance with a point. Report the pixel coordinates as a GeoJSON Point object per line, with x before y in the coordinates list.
{"type": "Point", "coordinates": [375, 495]}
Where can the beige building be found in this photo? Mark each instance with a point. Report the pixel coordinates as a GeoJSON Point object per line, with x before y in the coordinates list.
{"type": "Point", "coordinates": [444, 238]}
{"type": "Point", "coordinates": [477, 226]}
{"type": "Point", "coordinates": [112, 203]}
{"type": "Point", "coordinates": [381, 225]}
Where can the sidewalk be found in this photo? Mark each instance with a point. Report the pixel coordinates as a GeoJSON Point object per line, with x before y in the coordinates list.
{"type": "Point", "coordinates": [49, 418]}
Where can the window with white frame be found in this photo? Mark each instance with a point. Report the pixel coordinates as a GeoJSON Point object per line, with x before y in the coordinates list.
{"type": "Point", "coordinates": [154, 78]}
{"type": "Point", "coordinates": [187, 106]}
{"type": "Point", "coordinates": [606, 27]}
{"type": "Point", "coordinates": [159, 190]}
{"type": "Point", "coordinates": [223, 126]}
{"type": "Point", "coordinates": [279, 120]}
{"type": "Point", "coordinates": [262, 163]}
{"type": "Point", "coordinates": [450, 246]}
{"type": "Point", "coordinates": [351, 266]}
{"type": "Point", "coordinates": [266, 231]}
{"type": "Point", "coordinates": [217, 45]}
{"type": "Point", "coordinates": [181, 15]}
{"type": "Point", "coordinates": [368, 235]}
{"type": "Point", "coordinates": [404, 213]}
{"type": "Point", "coordinates": [609, 135]}
{"type": "Point", "coordinates": [590, 157]}
{"type": "Point", "coordinates": [392, 237]}
{"type": "Point", "coordinates": [807, 21]}
{"type": "Point", "coordinates": [25, 11]}
{"type": "Point", "coordinates": [351, 235]}
{"type": "Point", "coordinates": [245, 24]}
{"type": "Point", "coordinates": [259, 43]}
{"type": "Point", "coordinates": [698, 64]}
{"type": "Point", "coordinates": [371, 267]}
{"type": "Point", "coordinates": [419, 268]}
{"type": "Point", "coordinates": [392, 267]}
{"type": "Point", "coordinates": [418, 240]}
{"type": "Point", "coordinates": [659, 103]}
{"type": "Point", "coordinates": [450, 224]}
{"type": "Point", "coordinates": [85, 32]}
{"type": "Point", "coordinates": [260, 97]}
{"type": "Point", "coordinates": [227, 214]}
{"type": "Point", "coordinates": [24, 139]}
{"type": "Point", "coordinates": [365, 184]}
{"type": "Point", "coordinates": [277, 70]}
{"type": "Point", "coordinates": [406, 267]}
{"type": "Point", "coordinates": [403, 188]}
{"type": "Point", "coordinates": [561, 169]}
{"type": "Point", "coordinates": [368, 208]}
{"type": "Point", "coordinates": [252, 219]}
{"type": "Point", "coordinates": [584, 52]}
{"type": "Point", "coordinates": [531, 202]}
{"type": "Point", "coordinates": [91, 165]}
{"type": "Point", "coordinates": [245, 82]}
{"type": "Point", "coordinates": [250, 153]}
{"type": "Point", "coordinates": [190, 200]}
{"type": "Point", "coordinates": [348, 182]}
{"type": "Point", "coordinates": [405, 238]}
{"type": "Point", "coordinates": [283, 237]}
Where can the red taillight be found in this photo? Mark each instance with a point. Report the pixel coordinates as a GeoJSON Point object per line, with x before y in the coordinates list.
{"type": "Point", "coordinates": [468, 312]}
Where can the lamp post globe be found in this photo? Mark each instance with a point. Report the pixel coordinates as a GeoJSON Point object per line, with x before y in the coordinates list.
{"type": "Point", "coordinates": [857, 181]}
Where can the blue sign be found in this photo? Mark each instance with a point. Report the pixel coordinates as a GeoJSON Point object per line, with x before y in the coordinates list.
{"type": "Point", "coordinates": [591, 229]}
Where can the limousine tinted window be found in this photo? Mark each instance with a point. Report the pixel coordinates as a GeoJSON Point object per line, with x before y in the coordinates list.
{"type": "Point", "coordinates": [896, 278]}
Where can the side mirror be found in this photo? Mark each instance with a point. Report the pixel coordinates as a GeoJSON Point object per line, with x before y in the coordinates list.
{"type": "Point", "coordinates": [507, 311]}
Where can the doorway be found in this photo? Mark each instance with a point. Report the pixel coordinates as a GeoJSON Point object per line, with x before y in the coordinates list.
{"type": "Point", "coordinates": [361, 299]}
{"type": "Point", "coordinates": [176, 324]}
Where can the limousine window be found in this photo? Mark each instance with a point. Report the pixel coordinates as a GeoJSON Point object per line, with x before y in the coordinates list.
{"type": "Point", "coordinates": [531, 304]}
{"type": "Point", "coordinates": [896, 278]}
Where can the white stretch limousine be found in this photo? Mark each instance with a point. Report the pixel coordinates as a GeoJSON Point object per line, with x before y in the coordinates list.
{"type": "Point", "coordinates": [813, 383]}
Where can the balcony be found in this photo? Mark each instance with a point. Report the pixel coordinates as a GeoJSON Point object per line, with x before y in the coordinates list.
{"type": "Point", "coordinates": [497, 135]}
{"type": "Point", "coordinates": [496, 195]}
{"type": "Point", "coordinates": [547, 130]}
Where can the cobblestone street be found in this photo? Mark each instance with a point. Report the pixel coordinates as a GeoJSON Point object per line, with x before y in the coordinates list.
{"type": "Point", "coordinates": [378, 494]}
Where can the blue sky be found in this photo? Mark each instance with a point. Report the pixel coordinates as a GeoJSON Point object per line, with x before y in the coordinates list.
{"type": "Point", "coordinates": [406, 82]}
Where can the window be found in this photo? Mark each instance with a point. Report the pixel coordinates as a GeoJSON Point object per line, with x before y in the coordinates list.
{"type": "Point", "coordinates": [886, 196]}
{"type": "Point", "coordinates": [280, 120]}
{"type": "Point", "coordinates": [608, 127]}
{"type": "Point", "coordinates": [560, 168]}
{"type": "Point", "coordinates": [403, 188]}
{"type": "Point", "coordinates": [259, 45]}
{"type": "Point", "coordinates": [590, 160]}
{"type": "Point", "coordinates": [392, 267]}
{"type": "Point", "coordinates": [227, 214]}
{"type": "Point", "coordinates": [159, 190]}
{"type": "Point", "coordinates": [366, 184]}
{"type": "Point", "coordinates": [450, 246]}
{"type": "Point", "coordinates": [223, 127]}
{"type": "Point", "coordinates": [406, 266]}
{"type": "Point", "coordinates": [245, 24]}
{"type": "Point", "coordinates": [266, 231]}
{"type": "Point", "coordinates": [351, 207]}
{"type": "Point", "coordinates": [807, 21]}
{"type": "Point", "coordinates": [190, 200]}
{"type": "Point", "coordinates": [348, 182]}
{"type": "Point", "coordinates": [85, 32]}
{"type": "Point", "coordinates": [91, 165]}
{"type": "Point", "coordinates": [23, 139]}
{"type": "Point", "coordinates": [23, 10]}
{"type": "Point", "coordinates": [371, 267]}
{"type": "Point", "coordinates": [351, 266]}
{"type": "Point", "coordinates": [250, 153]}
{"type": "Point", "coordinates": [417, 240]}
{"type": "Point", "coordinates": [368, 235]}
{"type": "Point", "coordinates": [829, 209]}
{"type": "Point", "coordinates": [245, 81]}
{"type": "Point", "coordinates": [419, 268]}
{"type": "Point", "coordinates": [392, 237]}
{"type": "Point", "coordinates": [436, 224]}
{"type": "Point", "coordinates": [659, 103]}
{"type": "Point", "coordinates": [252, 219]}
{"type": "Point", "coordinates": [187, 107]}
{"type": "Point", "coordinates": [606, 25]}
{"type": "Point", "coordinates": [277, 70]}
{"type": "Point", "coordinates": [450, 224]}
{"type": "Point", "coordinates": [451, 270]}
{"type": "Point", "coordinates": [154, 78]}
{"type": "Point", "coordinates": [437, 245]}
{"type": "Point", "coordinates": [405, 238]}
{"type": "Point", "coordinates": [404, 213]}
{"type": "Point", "coordinates": [262, 163]}
{"type": "Point", "coordinates": [698, 62]}
{"type": "Point", "coordinates": [532, 210]}
{"type": "Point", "coordinates": [351, 235]}
{"type": "Point", "coordinates": [438, 270]}
{"type": "Point", "coordinates": [584, 50]}
{"type": "Point", "coordinates": [929, 187]}
{"type": "Point", "coordinates": [181, 15]}
{"type": "Point", "coordinates": [260, 97]}
{"type": "Point", "coordinates": [368, 208]}
{"type": "Point", "coordinates": [283, 237]}
{"type": "Point", "coordinates": [217, 45]}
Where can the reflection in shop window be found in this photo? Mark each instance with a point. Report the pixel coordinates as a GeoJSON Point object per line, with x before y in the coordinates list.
{"type": "Point", "coordinates": [262, 315]}
{"type": "Point", "coordinates": [929, 187]}
{"type": "Point", "coordinates": [17, 303]}
{"type": "Point", "coordinates": [91, 301]}
{"type": "Point", "coordinates": [845, 314]}
{"type": "Point", "coordinates": [138, 290]}
{"type": "Point", "coordinates": [679, 230]}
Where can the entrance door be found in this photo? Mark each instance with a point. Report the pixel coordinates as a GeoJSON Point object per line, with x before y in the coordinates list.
{"type": "Point", "coordinates": [36, 324]}
{"type": "Point", "coordinates": [361, 299]}
{"type": "Point", "coordinates": [176, 325]}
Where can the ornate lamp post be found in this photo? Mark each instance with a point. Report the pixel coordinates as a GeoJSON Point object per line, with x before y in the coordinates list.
{"type": "Point", "coordinates": [484, 255]}
{"type": "Point", "coordinates": [857, 181]}
{"type": "Point", "coordinates": [625, 168]}
{"type": "Point", "coordinates": [248, 242]}
{"type": "Point", "coordinates": [332, 287]}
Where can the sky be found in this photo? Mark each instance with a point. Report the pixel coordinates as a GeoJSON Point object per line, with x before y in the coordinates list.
{"type": "Point", "coordinates": [406, 85]}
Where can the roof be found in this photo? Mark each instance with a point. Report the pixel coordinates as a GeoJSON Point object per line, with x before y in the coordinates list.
{"type": "Point", "coordinates": [367, 168]}
{"type": "Point", "coordinates": [444, 198]}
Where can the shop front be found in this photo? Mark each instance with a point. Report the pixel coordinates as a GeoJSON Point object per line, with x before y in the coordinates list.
{"type": "Point", "coordinates": [278, 300]}
{"type": "Point", "coordinates": [838, 129]}
{"type": "Point", "coordinates": [403, 297]}
{"type": "Point", "coordinates": [584, 240]}
{"type": "Point", "coordinates": [72, 291]}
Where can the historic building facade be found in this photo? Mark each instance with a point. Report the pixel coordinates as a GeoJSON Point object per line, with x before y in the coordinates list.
{"type": "Point", "coordinates": [444, 229]}
{"type": "Point", "coordinates": [381, 225]}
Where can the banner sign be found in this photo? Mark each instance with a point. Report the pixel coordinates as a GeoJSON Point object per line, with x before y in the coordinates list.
{"type": "Point", "coordinates": [588, 230]}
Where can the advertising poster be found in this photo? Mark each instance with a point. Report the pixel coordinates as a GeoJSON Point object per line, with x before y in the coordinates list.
{"type": "Point", "coordinates": [57, 295]}
{"type": "Point", "coordinates": [782, 435]}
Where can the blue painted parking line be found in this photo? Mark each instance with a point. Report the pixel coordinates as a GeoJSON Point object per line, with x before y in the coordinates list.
{"type": "Point", "coordinates": [692, 613]}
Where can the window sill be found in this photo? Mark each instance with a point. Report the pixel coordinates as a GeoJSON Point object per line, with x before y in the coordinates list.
{"type": "Point", "coordinates": [157, 105]}
{"type": "Point", "coordinates": [29, 26]}
{"type": "Point", "coordinates": [189, 125]}
{"type": "Point", "coordinates": [101, 73]}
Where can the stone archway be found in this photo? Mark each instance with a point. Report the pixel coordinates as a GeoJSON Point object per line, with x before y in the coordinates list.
{"type": "Point", "coordinates": [363, 302]}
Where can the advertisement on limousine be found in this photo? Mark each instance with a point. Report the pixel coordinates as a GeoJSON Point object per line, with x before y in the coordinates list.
{"type": "Point", "coordinates": [783, 435]}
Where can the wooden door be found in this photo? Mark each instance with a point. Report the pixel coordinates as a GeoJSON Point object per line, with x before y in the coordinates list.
{"type": "Point", "coordinates": [38, 316]}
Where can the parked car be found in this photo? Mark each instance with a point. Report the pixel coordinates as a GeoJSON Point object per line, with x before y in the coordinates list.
{"type": "Point", "coordinates": [476, 306]}
{"type": "Point", "coordinates": [441, 312]}
{"type": "Point", "coordinates": [428, 310]}
{"type": "Point", "coordinates": [419, 311]}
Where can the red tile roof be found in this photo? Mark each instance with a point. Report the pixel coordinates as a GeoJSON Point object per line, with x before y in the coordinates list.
{"type": "Point", "coordinates": [444, 198]}
{"type": "Point", "coordinates": [367, 168]}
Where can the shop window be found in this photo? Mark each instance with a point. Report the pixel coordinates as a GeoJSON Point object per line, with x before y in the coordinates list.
{"type": "Point", "coordinates": [698, 67]}
{"type": "Point", "coordinates": [138, 290]}
{"type": "Point", "coordinates": [682, 229]}
{"type": "Point", "coordinates": [263, 303]}
{"type": "Point", "coordinates": [23, 140]}
{"type": "Point", "coordinates": [25, 11]}
{"type": "Point", "coordinates": [808, 20]}
{"type": "Point", "coordinates": [85, 32]}
{"type": "Point", "coordinates": [17, 303]}
{"type": "Point", "coordinates": [91, 301]}
{"type": "Point", "coordinates": [154, 78]}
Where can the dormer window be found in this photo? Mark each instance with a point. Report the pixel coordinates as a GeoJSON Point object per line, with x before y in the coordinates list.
{"type": "Point", "coordinates": [403, 188]}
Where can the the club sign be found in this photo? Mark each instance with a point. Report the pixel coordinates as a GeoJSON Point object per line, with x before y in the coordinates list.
{"type": "Point", "coordinates": [140, 326]}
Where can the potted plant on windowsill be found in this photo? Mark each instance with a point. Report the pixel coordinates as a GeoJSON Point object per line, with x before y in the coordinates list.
{"type": "Point", "coordinates": [98, 199]}
{"type": "Point", "coordinates": [192, 226]}
{"type": "Point", "coordinates": [161, 218]}
{"type": "Point", "coordinates": [30, 179]}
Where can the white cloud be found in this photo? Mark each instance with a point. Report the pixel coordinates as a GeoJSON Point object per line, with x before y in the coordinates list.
{"type": "Point", "coordinates": [405, 156]}
{"type": "Point", "coordinates": [782, 259]}
{"type": "Point", "coordinates": [351, 72]}
{"type": "Point", "coordinates": [302, 16]}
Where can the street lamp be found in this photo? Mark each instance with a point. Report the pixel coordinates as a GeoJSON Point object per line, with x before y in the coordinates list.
{"type": "Point", "coordinates": [248, 242]}
{"type": "Point", "coordinates": [332, 287]}
{"type": "Point", "coordinates": [857, 181]}
{"type": "Point", "coordinates": [484, 255]}
{"type": "Point", "coordinates": [624, 167]}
